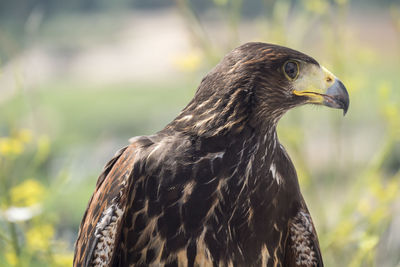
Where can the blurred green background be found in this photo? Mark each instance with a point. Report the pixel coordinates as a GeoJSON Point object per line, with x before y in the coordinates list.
{"type": "Point", "coordinates": [79, 78]}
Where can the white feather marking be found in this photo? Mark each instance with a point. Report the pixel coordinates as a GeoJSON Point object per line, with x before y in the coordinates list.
{"type": "Point", "coordinates": [204, 121]}
{"type": "Point", "coordinates": [155, 149]}
{"type": "Point", "coordinates": [187, 190]}
{"type": "Point", "coordinates": [275, 175]}
{"type": "Point", "coordinates": [264, 255]}
{"type": "Point", "coordinates": [300, 234]}
{"type": "Point", "coordinates": [203, 103]}
{"type": "Point", "coordinates": [219, 154]}
{"type": "Point", "coordinates": [203, 256]}
{"type": "Point", "coordinates": [185, 118]}
{"type": "Point", "coordinates": [106, 230]}
{"type": "Point", "coordinates": [273, 169]}
{"type": "Point", "coordinates": [134, 139]}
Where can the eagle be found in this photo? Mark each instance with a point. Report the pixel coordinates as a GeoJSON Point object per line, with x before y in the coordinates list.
{"type": "Point", "coordinates": [215, 187]}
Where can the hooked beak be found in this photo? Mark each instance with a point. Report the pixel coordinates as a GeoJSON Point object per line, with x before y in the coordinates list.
{"type": "Point", "coordinates": [323, 88]}
{"type": "Point", "coordinates": [337, 97]}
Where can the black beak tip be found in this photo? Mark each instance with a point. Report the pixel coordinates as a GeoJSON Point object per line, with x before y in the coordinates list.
{"type": "Point", "coordinates": [338, 93]}
{"type": "Point", "coordinates": [343, 97]}
{"type": "Point", "coordinates": [345, 111]}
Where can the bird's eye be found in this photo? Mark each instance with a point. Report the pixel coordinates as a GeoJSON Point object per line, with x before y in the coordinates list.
{"type": "Point", "coordinates": [291, 69]}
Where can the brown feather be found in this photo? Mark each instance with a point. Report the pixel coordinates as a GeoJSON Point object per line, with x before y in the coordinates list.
{"type": "Point", "coordinates": [111, 185]}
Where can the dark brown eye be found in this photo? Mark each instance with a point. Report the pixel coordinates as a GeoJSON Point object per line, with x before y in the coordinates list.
{"type": "Point", "coordinates": [291, 69]}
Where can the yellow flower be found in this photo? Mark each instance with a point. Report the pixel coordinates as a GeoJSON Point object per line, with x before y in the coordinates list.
{"type": "Point", "coordinates": [10, 146]}
{"type": "Point", "coordinates": [39, 237]}
{"type": "Point", "coordinates": [28, 193]}
{"type": "Point", "coordinates": [14, 145]}
{"type": "Point", "coordinates": [368, 242]}
{"type": "Point", "coordinates": [11, 258]}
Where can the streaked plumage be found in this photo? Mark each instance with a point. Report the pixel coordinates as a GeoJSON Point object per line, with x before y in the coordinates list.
{"type": "Point", "coordinates": [214, 187]}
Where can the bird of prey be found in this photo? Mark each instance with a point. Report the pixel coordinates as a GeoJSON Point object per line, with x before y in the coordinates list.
{"type": "Point", "coordinates": [214, 187]}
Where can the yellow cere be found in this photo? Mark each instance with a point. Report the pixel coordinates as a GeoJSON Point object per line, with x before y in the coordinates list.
{"type": "Point", "coordinates": [312, 82]}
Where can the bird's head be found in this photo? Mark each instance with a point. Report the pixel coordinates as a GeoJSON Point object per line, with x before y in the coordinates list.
{"type": "Point", "coordinates": [285, 78]}
{"type": "Point", "coordinates": [260, 82]}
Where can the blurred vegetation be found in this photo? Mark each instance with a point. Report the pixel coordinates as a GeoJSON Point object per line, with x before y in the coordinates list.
{"type": "Point", "coordinates": [48, 171]}
{"type": "Point", "coordinates": [27, 228]}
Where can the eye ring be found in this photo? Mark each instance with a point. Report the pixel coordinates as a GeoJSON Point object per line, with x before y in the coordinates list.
{"type": "Point", "coordinates": [291, 70]}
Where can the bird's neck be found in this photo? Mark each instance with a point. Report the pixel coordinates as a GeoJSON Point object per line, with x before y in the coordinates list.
{"type": "Point", "coordinates": [247, 155]}
{"type": "Point", "coordinates": [212, 113]}
{"type": "Point", "coordinates": [260, 149]}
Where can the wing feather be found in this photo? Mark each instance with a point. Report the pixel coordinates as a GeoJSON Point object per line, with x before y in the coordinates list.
{"type": "Point", "coordinates": [99, 229]}
{"type": "Point", "coordinates": [302, 247]}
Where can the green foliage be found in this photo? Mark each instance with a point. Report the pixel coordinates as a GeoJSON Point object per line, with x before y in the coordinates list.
{"type": "Point", "coordinates": [27, 229]}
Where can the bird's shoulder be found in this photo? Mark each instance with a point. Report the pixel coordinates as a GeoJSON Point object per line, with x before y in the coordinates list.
{"type": "Point", "coordinates": [105, 211]}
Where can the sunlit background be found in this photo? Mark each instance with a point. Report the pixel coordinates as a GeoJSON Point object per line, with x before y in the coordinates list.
{"type": "Point", "coordinates": [79, 78]}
